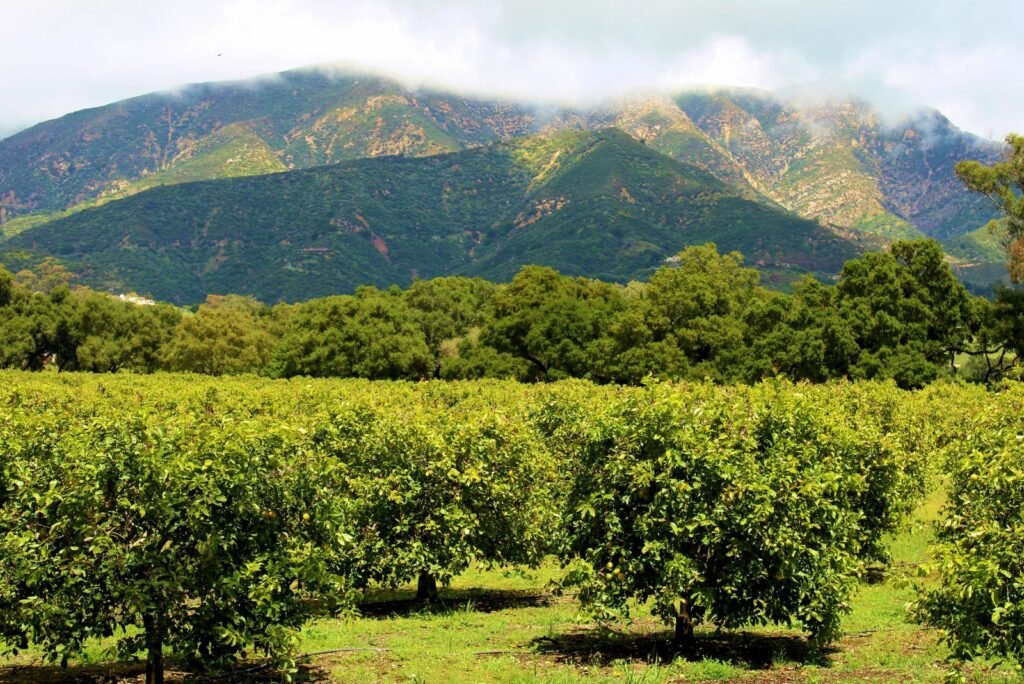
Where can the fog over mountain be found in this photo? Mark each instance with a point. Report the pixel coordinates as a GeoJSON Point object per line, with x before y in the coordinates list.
{"type": "Point", "coordinates": [945, 54]}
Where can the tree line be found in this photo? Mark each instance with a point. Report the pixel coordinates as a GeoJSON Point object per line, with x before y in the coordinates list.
{"type": "Point", "coordinates": [899, 314]}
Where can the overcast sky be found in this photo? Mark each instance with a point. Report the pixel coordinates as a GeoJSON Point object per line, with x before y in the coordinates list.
{"type": "Point", "coordinates": [960, 56]}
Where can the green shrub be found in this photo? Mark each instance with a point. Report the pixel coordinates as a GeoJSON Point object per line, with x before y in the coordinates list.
{"type": "Point", "coordinates": [209, 537]}
{"type": "Point", "coordinates": [730, 508]}
{"type": "Point", "coordinates": [979, 555]}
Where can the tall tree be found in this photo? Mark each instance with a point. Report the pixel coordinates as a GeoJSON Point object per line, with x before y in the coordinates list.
{"type": "Point", "coordinates": [551, 321]}
{"type": "Point", "coordinates": [105, 335]}
{"type": "Point", "coordinates": [908, 313]}
{"type": "Point", "coordinates": [449, 308]}
{"type": "Point", "coordinates": [226, 335]}
{"type": "Point", "coordinates": [31, 325]}
{"type": "Point", "coordinates": [1004, 183]}
{"type": "Point", "coordinates": [371, 335]}
{"type": "Point", "coordinates": [687, 321]}
{"type": "Point", "coordinates": [803, 337]}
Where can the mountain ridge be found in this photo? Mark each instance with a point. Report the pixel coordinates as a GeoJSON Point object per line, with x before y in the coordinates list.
{"type": "Point", "coordinates": [599, 204]}
{"type": "Point", "coordinates": [834, 161]}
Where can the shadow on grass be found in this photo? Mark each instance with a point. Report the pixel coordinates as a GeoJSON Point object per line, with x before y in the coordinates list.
{"type": "Point", "coordinates": [85, 674]}
{"type": "Point", "coordinates": [386, 604]}
{"type": "Point", "coordinates": [742, 649]}
{"type": "Point", "coordinates": [122, 673]}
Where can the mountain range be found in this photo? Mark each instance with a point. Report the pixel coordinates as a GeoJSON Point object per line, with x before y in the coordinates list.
{"type": "Point", "coordinates": [796, 186]}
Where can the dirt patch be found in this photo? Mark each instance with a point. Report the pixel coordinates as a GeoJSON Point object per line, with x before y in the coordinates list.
{"type": "Point", "coordinates": [37, 673]}
{"type": "Point", "coordinates": [788, 675]}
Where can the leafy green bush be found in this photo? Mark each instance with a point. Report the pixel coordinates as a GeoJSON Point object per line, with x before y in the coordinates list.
{"type": "Point", "coordinates": [206, 536]}
{"type": "Point", "coordinates": [979, 556]}
{"type": "Point", "coordinates": [720, 507]}
{"type": "Point", "coordinates": [437, 487]}
{"type": "Point", "coordinates": [880, 438]}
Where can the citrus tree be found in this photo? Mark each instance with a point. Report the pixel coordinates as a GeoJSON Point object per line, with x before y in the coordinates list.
{"type": "Point", "coordinates": [882, 438]}
{"type": "Point", "coordinates": [438, 487]}
{"type": "Point", "coordinates": [719, 507]}
{"type": "Point", "coordinates": [979, 554]}
{"type": "Point", "coordinates": [212, 538]}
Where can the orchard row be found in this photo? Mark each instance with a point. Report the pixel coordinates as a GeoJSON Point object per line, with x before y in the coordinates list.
{"type": "Point", "coordinates": [216, 516]}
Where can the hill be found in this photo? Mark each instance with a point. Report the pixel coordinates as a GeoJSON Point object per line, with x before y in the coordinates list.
{"type": "Point", "coordinates": [836, 162]}
{"type": "Point", "coordinates": [599, 204]}
{"type": "Point", "coordinates": [303, 118]}
{"type": "Point", "coordinates": [842, 163]}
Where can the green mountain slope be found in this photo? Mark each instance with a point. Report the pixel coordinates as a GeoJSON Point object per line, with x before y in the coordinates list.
{"type": "Point", "coordinates": [986, 244]}
{"type": "Point", "coordinates": [305, 117]}
{"type": "Point", "coordinates": [588, 203]}
{"type": "Point", "coordinates": [836, 162]}
{"type": "Point", "coordinates": [980, 257]}
{"type": "Point", "coordinates": [230, 152]}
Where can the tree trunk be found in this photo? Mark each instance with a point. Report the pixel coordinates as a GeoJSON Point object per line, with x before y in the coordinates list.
{"type": "Point", "coordinates": [153, 626]}
{"type": "Point", "coordinates": [684, 638]}
{"type": "Point", "coordinates": [426, 588]}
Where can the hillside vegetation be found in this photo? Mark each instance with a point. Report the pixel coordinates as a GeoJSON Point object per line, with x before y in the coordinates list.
{"type": "Point", "coordinates": [596, 204]}
{"type": "Point", "coordinates": [835, 161]}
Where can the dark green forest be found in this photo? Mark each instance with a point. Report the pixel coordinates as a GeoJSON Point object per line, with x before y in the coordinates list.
{"type": "Point", "coordinates": [599, 204]}
{"type": "Point", "coordinates": [899, 314]}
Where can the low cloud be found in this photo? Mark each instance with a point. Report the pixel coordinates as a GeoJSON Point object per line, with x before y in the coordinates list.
{"type": "Point", "coordinates": [942, 53]}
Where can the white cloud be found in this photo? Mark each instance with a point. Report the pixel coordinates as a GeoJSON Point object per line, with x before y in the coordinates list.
{"type": "Point", "coordinates": [63, 55]}
{"type": "Point", "coordinates": [974, 87]}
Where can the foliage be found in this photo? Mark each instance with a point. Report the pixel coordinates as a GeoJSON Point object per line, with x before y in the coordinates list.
{"type": "Point", "coordinates": [1003, 182]}
{"type": "Point", "coordinates": [687, 322]}
{"type": "Point", "coordinates": [734, 507]}
{"type": "Point", "coordinates": [107, 335]}
{"type": "Point", "coordinates": [448, 308]}
{"type": "Point", "coordinates": [208, 536]}
{"type": "Point", "coordinates": [30, 327]}
{"type": "Point", "coordinates": [550, 321]}
{"type": "Point", "coordinates": [899, 315]}
{"type": "Point", "coordinates": [6, 286]}
{"type": "Point", "coordinates": [227, 335]}
{"type": "Point", "coordinates": [370, 335]}
{"type": "Point", "coordinates": [47, 276]}
{"type": "Point", "coordinates": [439, 486]}
{"type": "Point", "coordinates": [979, 557]}
{"type": "Point", "coordinates": [472, 360]}
{"type": "Point", "coordinates": [907, 312]}
{"type": "Point", "coordinates": [222, 512]}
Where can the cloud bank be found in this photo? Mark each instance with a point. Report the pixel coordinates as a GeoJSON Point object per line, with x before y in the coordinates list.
{"type": "Point", "coordinates": [63, 55]}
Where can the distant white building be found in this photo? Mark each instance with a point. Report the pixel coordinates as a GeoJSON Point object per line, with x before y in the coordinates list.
{"type": "Point", "coordinates": [136, 299]}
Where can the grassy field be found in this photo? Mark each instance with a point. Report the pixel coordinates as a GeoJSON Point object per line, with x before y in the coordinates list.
{"type": "Point", "coordinates": [508, 627]}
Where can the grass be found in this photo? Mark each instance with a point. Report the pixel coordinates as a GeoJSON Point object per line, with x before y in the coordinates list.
{"type": "Point", "coordinates": [506, 627]}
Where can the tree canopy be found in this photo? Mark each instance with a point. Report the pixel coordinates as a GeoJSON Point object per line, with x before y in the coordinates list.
{"type": "Point", "coordinates": [899, 314]}
{"type": "Point", "coordinates": [1004, 183]}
